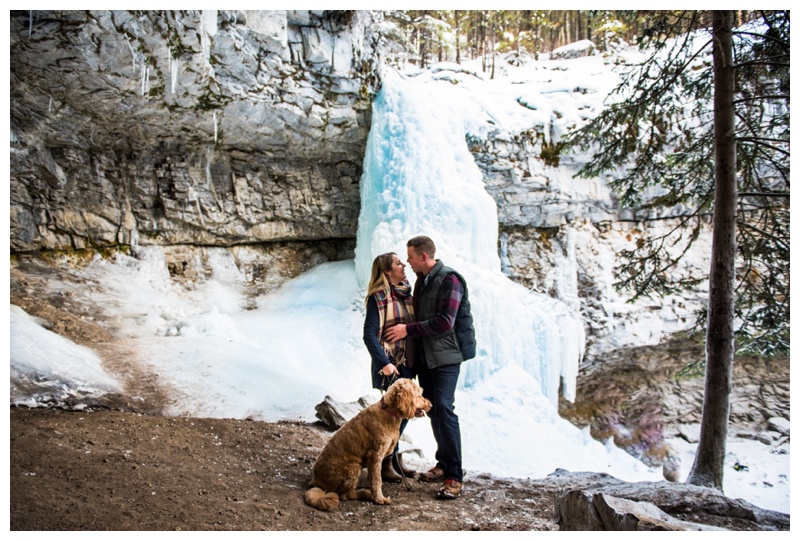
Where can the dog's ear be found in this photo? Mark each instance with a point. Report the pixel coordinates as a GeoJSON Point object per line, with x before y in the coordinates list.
{"type": "Point", "coordinates": [404, 398]}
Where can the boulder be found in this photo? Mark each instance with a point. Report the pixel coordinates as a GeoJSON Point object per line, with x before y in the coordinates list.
{"type": "Point", "coordinates": [578, 49]}
{"type": "Point", "coordinates": [779, 424]}
{"type": "Point", "coordinates": [334, 414]}
{"type": "Point", "coordinates": [583, 511]}
{"type": "Point", "coordinates": [595, 502]}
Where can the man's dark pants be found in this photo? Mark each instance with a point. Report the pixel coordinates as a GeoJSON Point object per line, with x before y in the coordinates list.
{"type": "Point", "coordinates": [439, 386]}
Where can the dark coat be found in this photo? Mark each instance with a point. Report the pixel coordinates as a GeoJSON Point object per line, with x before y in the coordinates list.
{"type": "Point", "coordinates": [379, 359]}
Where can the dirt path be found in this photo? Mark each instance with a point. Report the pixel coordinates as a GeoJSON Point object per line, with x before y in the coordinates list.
{"type": "Point", "coordinates": [109, 470]}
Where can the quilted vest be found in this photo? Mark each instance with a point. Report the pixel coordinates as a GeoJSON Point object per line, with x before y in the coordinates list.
{"type": "Point", "coordinates": [454, 346]}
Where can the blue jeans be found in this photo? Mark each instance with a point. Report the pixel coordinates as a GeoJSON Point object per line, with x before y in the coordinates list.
{"type": "Point", "coordinates": [439, 386]}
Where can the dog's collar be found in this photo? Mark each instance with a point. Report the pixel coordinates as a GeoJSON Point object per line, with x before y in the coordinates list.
{"type": "Point", "coordinates": [389, 410]}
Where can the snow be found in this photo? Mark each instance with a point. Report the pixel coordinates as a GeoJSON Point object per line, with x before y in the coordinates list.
{"type": "Point", "coordinates": [61, 368]}
{"type": "Point", "coordinates": [303, 341]}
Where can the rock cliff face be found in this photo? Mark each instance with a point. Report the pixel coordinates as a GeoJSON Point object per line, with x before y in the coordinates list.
{"type": "Point", "coordinates": [560, 235]}
{"type": "Point", "coordinates": [643, 396]}
{"type": "Point", "coordinates": [191, 127]}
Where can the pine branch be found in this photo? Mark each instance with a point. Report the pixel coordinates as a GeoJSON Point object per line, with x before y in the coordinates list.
{"type": "Point", "coordinates": [762, 143]}
{"type": "Point", "coordinates": [765, 37]}
{"type": "Point", "coordinates": [777, 240]}
{"type": "Point", "coordinates": [761, 63]}
{"type": "Point", "coordinates": [759, 98]}
{"type": "Point", "coordinates": [763, 194]}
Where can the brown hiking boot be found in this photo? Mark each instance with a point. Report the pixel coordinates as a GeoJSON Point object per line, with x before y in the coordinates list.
{"type": "Point", "coordinates": [433, 475]}
{"type": "Point", "coordinates": [450, 489]}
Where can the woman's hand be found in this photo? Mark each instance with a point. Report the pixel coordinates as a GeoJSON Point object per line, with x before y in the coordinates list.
{"type": "Point", "coordinates": [389, 369]}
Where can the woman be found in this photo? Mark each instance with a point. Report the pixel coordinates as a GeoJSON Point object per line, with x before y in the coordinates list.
{"type": "Point", "coordinates": [388, 303]}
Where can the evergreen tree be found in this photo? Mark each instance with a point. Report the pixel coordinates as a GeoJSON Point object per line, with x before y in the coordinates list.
{"type": "Point", "coordinates": [675, 153]}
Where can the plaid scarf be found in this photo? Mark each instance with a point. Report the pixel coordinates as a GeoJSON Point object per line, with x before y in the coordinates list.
{"type": "Point", "coordinates": [394, 308]}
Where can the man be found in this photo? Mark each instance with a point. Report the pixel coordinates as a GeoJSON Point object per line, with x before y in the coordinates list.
{"type": "Point", "coordinates": [444, 337]}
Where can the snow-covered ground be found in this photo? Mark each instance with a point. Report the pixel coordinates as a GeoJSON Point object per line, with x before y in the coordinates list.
{"type": "Point", "coordinates": [303, 341]}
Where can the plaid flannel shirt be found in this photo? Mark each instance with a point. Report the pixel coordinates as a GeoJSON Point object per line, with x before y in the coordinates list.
{"type": "Point", "coordinates": [447, 303]}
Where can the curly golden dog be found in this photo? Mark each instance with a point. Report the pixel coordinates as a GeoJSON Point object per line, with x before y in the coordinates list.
{"type": "Point", "coordinates": [363, 442]}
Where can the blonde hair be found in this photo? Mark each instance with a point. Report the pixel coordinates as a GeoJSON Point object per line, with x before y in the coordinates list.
{"type": "Point", "coordinates": [378, 281]}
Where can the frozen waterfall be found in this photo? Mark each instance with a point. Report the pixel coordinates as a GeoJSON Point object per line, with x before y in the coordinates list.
{"type": "Point", "coordinates": [420, 178]}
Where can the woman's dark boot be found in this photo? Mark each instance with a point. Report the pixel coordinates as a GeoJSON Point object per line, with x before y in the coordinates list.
{"type": "Point", "coordinates": [406, 471]}
{"type": "Point", "coordinates": [387, 471]}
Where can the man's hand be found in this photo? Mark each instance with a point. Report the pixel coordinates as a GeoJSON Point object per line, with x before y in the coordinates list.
{"type": "Point", "coordinates": [395, 333]}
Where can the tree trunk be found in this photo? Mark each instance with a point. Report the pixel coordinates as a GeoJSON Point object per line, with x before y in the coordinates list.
{"type": "Point", "coordinates": [423, 41]}
{"type": "Point", "coordinates": [458, 38]}
{"type": "Point", "coordinates": [709, 461]}
{"type": "Point", "coordinates": [491, 19]}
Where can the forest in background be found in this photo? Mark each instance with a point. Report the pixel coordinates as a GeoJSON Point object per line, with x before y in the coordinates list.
{"type": "Point", "coordinates": [429, 36]}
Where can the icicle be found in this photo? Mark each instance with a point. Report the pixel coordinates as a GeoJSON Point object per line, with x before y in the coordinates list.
{"type": "Point", "coordinates": [209, 21]}
{"type": "Point", "coordinates": [50, 105]}
{"type": "Point", "coordinates": [175, 66]}
{"type": "Point", "coordinates": [209, 161]}
{"type": "Point", "coordinates": [208, 28]}
{"type": "Point", "coordinates": [199, 211]}
{"type": "Point", "coordinates": [30, 22]}
{"type": "Point", "coordinates": [129, 231]}
{"type": "Point", "coordinates": [133, 54]}
{"type": "Point", "coordinates": [209, 181]}
{"type": "Point", "coordinates": [145, 77]}
{"type": "Point", "coordinates": [135, 239]}
{"type": "Point", "coordinates": [192, 197]}
{"type": "Point", "coordinates": [566, 269]}
{"type": "Point", "coordinates": [215, 127]}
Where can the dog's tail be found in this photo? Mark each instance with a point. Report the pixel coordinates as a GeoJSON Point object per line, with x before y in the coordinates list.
{"type": "Point", "coordinates": [325, 501]}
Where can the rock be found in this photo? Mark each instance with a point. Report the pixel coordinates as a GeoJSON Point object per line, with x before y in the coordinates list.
{"type": "Point", "coordinates": [578, 510]}
{"type": "Point", "coordinates": [779, 424]}
{"type": "Point", "coordinates": [671, 469]}
{"type": "Point", "coordinates": [767, 438]}
{"type": "Point", "coordinates": [334, 414]}
{"type": "Point", "coordinates": [573, 50]}
{"type": "Point", "coordinates": [601, 502]}
{"type": "Point", "coordinates": [187, 127]}
{"type": "Point", "coordinates": [635, 392]}
{"type": "Point", "coordinates": [690, 433]}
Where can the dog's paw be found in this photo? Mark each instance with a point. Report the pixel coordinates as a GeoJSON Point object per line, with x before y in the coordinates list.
{"type": "Point", "coordinates": [383, 501]}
